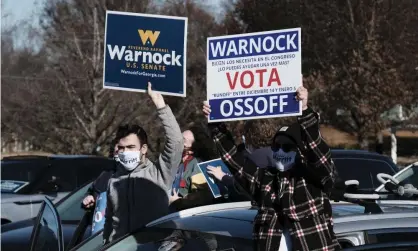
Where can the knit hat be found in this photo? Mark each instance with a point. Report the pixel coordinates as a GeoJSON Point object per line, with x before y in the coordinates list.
{"type": "Point", "coordinates": [289, 135]}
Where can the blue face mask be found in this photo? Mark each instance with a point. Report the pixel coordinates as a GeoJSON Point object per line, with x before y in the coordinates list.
{"type": "Point", "coordinates": [284, 160]}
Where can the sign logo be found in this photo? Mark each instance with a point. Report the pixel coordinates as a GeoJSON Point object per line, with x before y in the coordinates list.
{"type": "Point", "coordinates": [148, 36]}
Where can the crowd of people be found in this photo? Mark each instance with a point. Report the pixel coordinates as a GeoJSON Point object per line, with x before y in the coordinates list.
{"type": "Point", "coordinates": [287, 173]}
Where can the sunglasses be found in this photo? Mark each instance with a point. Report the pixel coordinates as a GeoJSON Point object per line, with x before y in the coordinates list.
{"type": "Point", "coordinates": [285, 147]}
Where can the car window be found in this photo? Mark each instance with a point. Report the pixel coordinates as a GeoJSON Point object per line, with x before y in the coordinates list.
{"type": "Point", "coordinates": [91, 243]}
{"type": "Point", "coordinates": [410, 176]}
{"type": "Point", "coordinates": [47, 235]}
{"type": "Point", "coordinates": [392, 235]}
{"type": "Point", "coordinates": [60, 178]}
{"type": "Point", "coordinates": [69, 208]}
{"type": "Point", "coordinates": [15, 172]}
{"type": "Point", "coordinates": [153, 239]}
{"type": "Point", "coordinates": [363, 170]}
{"type": "Point", "coordinates": [89, 169]}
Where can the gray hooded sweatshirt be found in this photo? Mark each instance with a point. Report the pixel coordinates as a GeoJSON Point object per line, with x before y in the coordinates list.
{"type": "Point", "coordinates": [138, 197]}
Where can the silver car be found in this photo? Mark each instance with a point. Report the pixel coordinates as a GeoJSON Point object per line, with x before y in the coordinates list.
{"type": "Point", "coordinates": [228, 226]}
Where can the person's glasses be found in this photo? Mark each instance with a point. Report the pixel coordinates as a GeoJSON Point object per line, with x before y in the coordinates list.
{"type": "Point", "coordinates": [285, 147]}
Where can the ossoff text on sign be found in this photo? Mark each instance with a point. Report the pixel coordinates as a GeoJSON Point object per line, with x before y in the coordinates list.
{"type": "Point", "coordinates": [254, 75]}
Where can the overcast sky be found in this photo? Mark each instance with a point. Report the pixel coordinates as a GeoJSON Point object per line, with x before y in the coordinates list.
{"type": "Point", "coordinates": [20, 9]}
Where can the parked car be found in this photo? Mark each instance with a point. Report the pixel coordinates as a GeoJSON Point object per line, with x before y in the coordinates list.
{"type": "Point", "coordinates": [362, 166]}
{"type": "Point", "coordinates": [229, 226]}
{"type": "Point", "coordinates": [16, 235]}
{"type": "Point", "coordinates": [26, 180]}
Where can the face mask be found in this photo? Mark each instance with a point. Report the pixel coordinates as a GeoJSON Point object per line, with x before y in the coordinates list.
{"type": "Point", "coordinates": [187, 151]}
{"type": "Point", "coordinates": [284, 160]}
{"type": "Point", "coordinates": [130, 159]}
{"type": "Point", "coordinates": [116, 158]}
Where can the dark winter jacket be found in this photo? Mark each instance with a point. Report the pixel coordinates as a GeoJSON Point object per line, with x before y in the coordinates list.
{"type": "Point", "coordinates": [297, 199]}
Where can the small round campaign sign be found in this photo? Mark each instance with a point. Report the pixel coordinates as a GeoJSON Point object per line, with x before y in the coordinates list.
{"type": "Point", "coordinates": [98, 217]}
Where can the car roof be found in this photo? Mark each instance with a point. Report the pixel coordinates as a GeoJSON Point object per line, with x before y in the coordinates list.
{"type": "Point", "coordinates": [22, 158]}
{"type": "Point", "coordinates": [244, 211]}
{"type": "Point", "coordinates": [222, 207]}
{"type": "Point", "coordinates": [338, 153]}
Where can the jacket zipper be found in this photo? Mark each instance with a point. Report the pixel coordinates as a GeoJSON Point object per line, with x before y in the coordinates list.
{"type": "Point", "coordinates": [129, 214]}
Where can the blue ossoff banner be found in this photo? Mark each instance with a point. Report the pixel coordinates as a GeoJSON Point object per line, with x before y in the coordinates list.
{"type": "Point", "coordinates": [141, 48]}
{"type": "Point", "coordinates": [254, 75]}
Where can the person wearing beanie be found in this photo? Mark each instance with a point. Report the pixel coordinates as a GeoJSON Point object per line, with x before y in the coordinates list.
{"type": "Point", "coordinates": [292, 194]}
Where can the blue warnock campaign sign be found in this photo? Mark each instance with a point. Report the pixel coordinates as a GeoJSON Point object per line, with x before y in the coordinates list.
{"type": "Point", "coordinates": [254, 75]}
{"type": "Point", "coordinates": [214, 185]}
{"type": "Point", "coordinates": [141, 48]}
{"type": "Point", "coordinates": [99, 213]}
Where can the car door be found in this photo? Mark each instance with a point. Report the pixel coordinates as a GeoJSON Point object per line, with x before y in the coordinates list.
{"type": "Point", "coordinates": [47, 233]}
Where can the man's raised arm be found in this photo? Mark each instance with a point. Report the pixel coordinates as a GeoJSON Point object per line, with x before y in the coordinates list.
{"type": "Point", "coordinates": [173, 147]}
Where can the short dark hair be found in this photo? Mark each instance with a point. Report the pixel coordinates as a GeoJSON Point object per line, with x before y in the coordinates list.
{"type": "Point", "coordinates": [127, 129]}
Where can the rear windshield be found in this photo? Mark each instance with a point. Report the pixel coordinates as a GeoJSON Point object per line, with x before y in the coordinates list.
{"type": "Point", "coordinates": [17, 174]}
{"type": "Point", "coordinates": [362, 169]}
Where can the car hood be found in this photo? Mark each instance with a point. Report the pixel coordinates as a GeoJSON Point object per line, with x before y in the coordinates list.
{"type": "Point", "coordinates": [12, 197]}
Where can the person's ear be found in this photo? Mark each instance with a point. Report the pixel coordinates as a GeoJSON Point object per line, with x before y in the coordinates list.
{"type": "Point", "coordinates": [144, 149]}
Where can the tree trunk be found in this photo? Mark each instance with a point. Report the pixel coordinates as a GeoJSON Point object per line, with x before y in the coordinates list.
{"type": "Point", "coordinates": [363, 141]}
{"type": "Point", "coordinates": [379, 142]}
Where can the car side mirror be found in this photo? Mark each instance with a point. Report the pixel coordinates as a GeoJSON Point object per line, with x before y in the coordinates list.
{"type": "Point", "coordinates": [351, 185]}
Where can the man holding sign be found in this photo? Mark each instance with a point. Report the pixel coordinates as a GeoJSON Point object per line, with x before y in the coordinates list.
{"type": "Point", "coordinates": [293, 195]}
{"type": "Point", "coordinates": [138, 192]}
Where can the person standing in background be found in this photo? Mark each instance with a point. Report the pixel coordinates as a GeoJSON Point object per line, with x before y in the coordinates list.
{"type": "Point", "coordinates": [190, 188]}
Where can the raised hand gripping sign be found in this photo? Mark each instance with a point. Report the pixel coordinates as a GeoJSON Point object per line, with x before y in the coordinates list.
{"type": "Point", "coordinates": [254, 75]}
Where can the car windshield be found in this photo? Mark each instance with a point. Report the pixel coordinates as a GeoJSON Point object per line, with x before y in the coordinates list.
{"type": "Point", "coordinates": [362, 169]}
{"type": "Point", "coordinates": [409, 176]}
{"type": "Point", "coordinates": [17, 174]}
